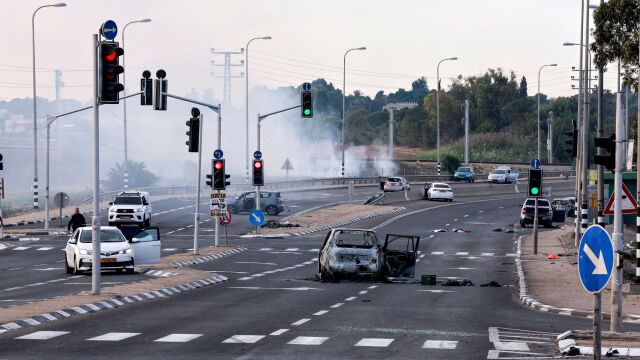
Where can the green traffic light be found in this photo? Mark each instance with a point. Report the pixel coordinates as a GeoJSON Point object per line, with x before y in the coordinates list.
{"type": "Point", "coordinates": [307, 112]}
{"type": "Point", "coordinates": [534, 191]}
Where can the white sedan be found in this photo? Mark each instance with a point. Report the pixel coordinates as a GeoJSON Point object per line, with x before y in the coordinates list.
{"type": "Point", "coordinates": [116, 253]}
{"type": "Point", "coordinates": [396, 184]}
{"type": "Point", "coordinates": [439, 191]}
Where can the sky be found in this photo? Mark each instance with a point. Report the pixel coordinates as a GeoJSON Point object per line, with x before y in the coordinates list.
{"type": "Point", "coordinates": [404, 40]}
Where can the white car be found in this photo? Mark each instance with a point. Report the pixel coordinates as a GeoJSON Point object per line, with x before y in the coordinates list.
{"type": "Point", "coordinates": [438, 191]}
{"type": "Point", "coordinates": [503, 175]}
{"type": "Point", "coordinates": [116, 252]}
{"type": "Point", "coordinates": [396, 184]}
{"type": "Point", "coordinates": [130, 207]}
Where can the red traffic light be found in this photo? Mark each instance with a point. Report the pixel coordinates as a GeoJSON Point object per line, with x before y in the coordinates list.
{"type": "Point", "coordinates": [257, 164]}
{"type": "Point", "coordinates": [218, 165]}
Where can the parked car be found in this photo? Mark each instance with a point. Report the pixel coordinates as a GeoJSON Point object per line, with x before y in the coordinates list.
{"type": "Point", "coordinates": [358, 253]}
{"type": "Point", "coordinates": [116, 251]}
{"type": "Point", "coordinates": [270, 202]}
{"type": "Point", "coordinates": [503, 175]}
{"type": "Point", "coordinates": [437, 191]}
{"type": "Point", "coordinates": [569, 203]}
{"type": "Point", "coordinates": [545, 213]}
{"type": "Point", "coordinates": [396, 184]}
{"type": "Point", "coordinates": [464, 173]}
{"type": "Point", "coordinates": [130, 207]}
{"type": "Point", "coordinates": [560, 210]}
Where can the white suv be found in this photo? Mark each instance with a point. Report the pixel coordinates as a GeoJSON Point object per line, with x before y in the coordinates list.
{"type": "Point", "coordinates": [130, 207]}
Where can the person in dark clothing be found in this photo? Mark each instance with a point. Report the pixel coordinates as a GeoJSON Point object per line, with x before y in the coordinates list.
{"type": "Point", "coordinates": [76, 220]}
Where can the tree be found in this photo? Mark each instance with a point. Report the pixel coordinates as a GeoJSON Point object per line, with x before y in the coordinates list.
{"type": "Point", "coordinates": [139, 176]}
{"type": "Point", "coordinates": [522, 91]}
{"type": "Point", "coordinates": [450, 163]}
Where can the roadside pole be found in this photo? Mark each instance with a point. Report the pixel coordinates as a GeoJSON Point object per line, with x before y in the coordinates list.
{"type": "Point", "coordinates": [637, 176]}
{"type": "Point", "coordinates": [196, 225]}
{"type": "Point", "coordinates": [600, 169]}
{"type": "Point", "coordinates": [616, 280]}
{"type": "Point", "coordinates": [597, 328]}
{"type": "Point", "coordinates": [46, 192]}
{"type": "Point", "coordinates": [535, 227]}
{"type": "Point", "coordinates": [95, 219]}
{"type": "Point", "coordinates": [466, 132]}
{"type": "Point", "coordinates": [1, 197]}
{"type": "Point", "coordinates": [216, 241]}
{"type": "Point", "coordinates": [258, 187]}
{"type": "Point", "coordinates": [584, 205]}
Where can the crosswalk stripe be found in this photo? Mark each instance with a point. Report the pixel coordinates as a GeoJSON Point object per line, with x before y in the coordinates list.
{"type": "Point", "coordinates": [487, 254]}
{"type": "Point", "coordinates": [42, 335]}
{"type": "Point", "coordinates": [178, 338]}
{"type": "Point", "coordinates": [21, 248]}
{"type": "Point", "coordinates": [321, 312]}
{"type": "Point", "coordinates": [440, 344]}
{"type": "Point", "coordinates": [279, 332]}
{"type": "Point", "coordinates": [437, 253]}
{"type": "Point", "coordinates": [335, 306]}
{"type": "Point", "coordinates": [300, 322]}
{"type": "Point", "coordinates": [45, 248]}
{"type": "Point", "coordinates": [374, 342]}
{"type": "Point", "coordinates": [463, 253]}
{"type": "Point", "coordinates": [243, 339]}
{"type": "Point", "coordinates": [113, 336]}
{"type": "Point", "coordinates": [308, 340]}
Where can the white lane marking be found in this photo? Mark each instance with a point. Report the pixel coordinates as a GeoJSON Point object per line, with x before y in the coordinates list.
{"type": "Point", "coordinates": [456, 219]}
{"type": "Point", "coordinates": [21, 248]}
{"type": "Point", "coordinates": [175, 338]}
{"type": "Point", "coordinates": [291, 249]}
{"type": "Point", "coordinates": [266, 249]}
{"type": "Point", "coordinates": [510, 255]}
{"type": "Point", "coordinates": [511, 346]}
{"type": "Point", "coordinates": [438, 344]}
{"type": "Point", "coordinates": [466, 216]}
{"type": "Point", "coordinates": [321, 312]}
{"type": "Point", "coordinates": [437, 253]}
{"type": "Point", "coordinates": [113, 336]}
{"type": "Point", "coordinates": [436, 291]}
{"type": "Point", "coordinates": [279, 332]}
{"type": "Point", "coordinates": [169, 249]}
{"type": "Point", "coordinates": [42, 335]}
{"type": "Point", "coordinates": [45, 248]}
{"type": "Point", "coordinates": [363, 292]}
{"type": "Point", "coordinates": [308, 340]}
{"type": "Point", "coordinates": [462, 253]}
{"type": "Point", "coordinates": [350, 298]}
{"type": "Point", "coordinates": [49, 269]}
{"type": "Point", "coordinates": [300, 322]}
{"type": "Point", "coordinates": [255, 262]}
{"type": "Point", "coordinates": [335, 306]}
{"type": "Point", "coordinates": [227, 271]}
{"type": "Point", "coordinates": [245, 278]}
{"type": "Point", "coordinates": [179, 229]}
{"type": "Point", "coordinates": [471, 257]}
{"type": "Point", "coordinates": [462, 268]}
{"type": "Point", "coordinates": [261, 288]}
{"type": "Point", "coordinates": [375, 286]}
{"type": "Point", "coordinates": [374, 342]}
{"type": "Point", "coordinates": [500, 207]}
{"type": "Point", "coordinates": [243, 339]}
{"type": "Point", "coordinates": [170, 232]}
{"type": "Point", "coordinates": [481, 211]}
{"type": "Point", "coordinates": [488, 254]}
{"type": "Point", "coordinates": [431, 236]}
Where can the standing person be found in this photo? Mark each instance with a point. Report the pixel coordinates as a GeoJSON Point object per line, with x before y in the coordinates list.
{"type": "Point", "coordinates": [76, 220]}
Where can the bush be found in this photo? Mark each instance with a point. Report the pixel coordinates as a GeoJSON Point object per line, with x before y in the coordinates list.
{"type": "Point", "coordinates": [450, 163]}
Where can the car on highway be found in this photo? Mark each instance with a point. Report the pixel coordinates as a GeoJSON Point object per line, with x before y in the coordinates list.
{"type": "Point", "coordinates": [503, 175]}
{"type": "Point", "coordinates": [464, 173]}
{"type": "Point", "coordinates": [131, 208]}
{"type": "Point", "coordinates": [359, 253]}
{"type": "Point", "coordinates": [270, 202]}
{"type": "Point", "coordinates": [545, 212]}
{"type": "Point", "coordinates": [396, 183]}
{"type": "Point", "coordinates": [568, 202]}
{"type": "Point", "coordinates": [116, 251]}
{"type": "Point", "coordinates": [435, 191]}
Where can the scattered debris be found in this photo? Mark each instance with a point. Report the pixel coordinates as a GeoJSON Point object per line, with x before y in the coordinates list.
{"type": "Point", "coordinates": [460, 230]}
{"type": "Point", "coordinates": [573, 351]}
{"type": "Point", "coordinates": [491, 284]}
{"type": "Point", "coordinates": [612, 352]}
{"type": "Point", "coordinates": [451, 282]}
{"type": "Point", "coordinates": [439, 230]}
{"type": "Point", "coordinates": [508, 231]}
{"type": "Point", "coordinates": [466, 282]}
{"type": "Point", "coordinates": [552, 257]}
{"type": "Point", "coordinates": [275, 224]}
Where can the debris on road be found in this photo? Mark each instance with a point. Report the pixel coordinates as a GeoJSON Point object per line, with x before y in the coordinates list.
{"type": "Point", "coordinates": [452, 282]}
{"type": "Point", "coordinates": [573, 351]}
{"type": "Point", "coordinates": [491, 284]}
{"type": "Point", "coordinates": [460, 230]}
{"type": "Point", "coordinates": [508, 231]}
{"type": "Point", "coordinates": [275, 224]}
{"type": "Point", "coordinates": [439, 230]}
{"type": "Point", "coordinates": [552, 257]}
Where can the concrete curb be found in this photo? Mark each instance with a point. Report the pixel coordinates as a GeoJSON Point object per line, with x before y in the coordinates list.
{"type": "Point", "coordinates": [50, 219]}
{"type": "Point", "coordinates": [328, 227]}
{"type": "Point", "coordinates": [204, 259]}
{"type": "Point", "coordinates": [108, 304]}
{"type": "Point", "coordinates": [537, 305]}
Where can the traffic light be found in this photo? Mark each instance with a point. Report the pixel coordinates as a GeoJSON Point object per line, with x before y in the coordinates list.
{"type": "Point", "coordinates": [1, 167]}
{"type": "Point", "coordinates": [535, 182]}
{"type": "Point", "coordinates": [110, 70]}
{"type": "Point", "coordinates": [258, 174]}
{"type": "Point", "coordinates": [160, 89]}
{"type": "Point", "coordinates": [609, 146]}
{"type": "Point", "coordinates": [146, 85]}
{"type": "Point", "coordinates": [194, 130]}
{"type": "Point", "coordinates": [210, 179]}
{"type": "Point", "coordinates": [219, 175]}
{"type": "Point", "coordinates": [573, 142]}
{"type": "Point", "coordinates": [307, 105]}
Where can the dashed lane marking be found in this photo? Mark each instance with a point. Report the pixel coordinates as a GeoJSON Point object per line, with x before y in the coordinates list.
{"type": "Point", "coordinates": [321, 312]}
{"type": "Point", "coordinates": [374, 342]}
{"type": "Point", "coordinates": [335, 306]}
{"type": "Point", "coordinates": [169, 249]}
{"type": "Point", "coordinates": [279, 332]}
{"type": "Point", "coordinates": [178, 338]}
{"type": "Point", "coordinates": [436, 291]}
{"type": "Point", "coordinates": [440, 344]}
{"type": "Point", "coordinates": [113, 336]}
{"type": "Point", "coordinates": [19, 248]}
{"type": "Point", "coordinates": [300, 322]}
{"type": "Point", "coordinates": [308, 340]}
{"type": "Point", "coordinates": [437, 253]}
{"type": "Point", "coordinates": [462, 253]}
{"type": "Point", "coordinates": [243, 339]}
{"type": "Point", "coordinates": [44, 248]}
{"type": "Point", "coordinates": [42, 335]}
{"type": "Point", "coordinates": [350, 298]}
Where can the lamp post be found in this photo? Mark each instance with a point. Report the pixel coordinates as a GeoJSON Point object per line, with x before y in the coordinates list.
{"type": "Point", "coordinates": [344, 83]}
{"type": "Point", "coordinates": [35, 122]}
{"type": "Point", "coordinates": [539, 105]}
{"type": "Point", "coordinates": [246, 101]}
{"type": "Point", "coordinates": [124, 82]}
{"type": "Point", "coordinates": [438, 107]}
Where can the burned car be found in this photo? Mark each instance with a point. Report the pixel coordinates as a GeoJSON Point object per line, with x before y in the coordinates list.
{"type": "Point", "coordinates": [358, 253]}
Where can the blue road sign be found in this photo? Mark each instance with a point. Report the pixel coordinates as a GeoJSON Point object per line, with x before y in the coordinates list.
{"type": "Point", "coordinates": [257, 155]}
{"type": "Point", "coordinates": [256, 218]}
{"type": "Point", "coordinates": [109, 29]}
{"type": "Point", "coordinates": [306, 86]}
{"type": "Point", "coordinates": [217, 154]}
{"type": "Point", "coordinates": [595, 259]}
{"type": "Point", "coordinates": [535, 163]}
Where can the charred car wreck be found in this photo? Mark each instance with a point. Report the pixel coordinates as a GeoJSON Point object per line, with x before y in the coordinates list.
{"type": "Point", "coordinates": [357, 253]}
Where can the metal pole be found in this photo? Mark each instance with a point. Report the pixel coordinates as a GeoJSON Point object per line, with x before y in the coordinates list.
{"type": "Point", "coordinates": [438, 113]}
{"type": "Point", "coordinates": [538, 147]}
{"type": "Point", "coordinates": [550, 137]}
{"type": "Point", "coordinates": [585, 128]}
{"type": "Point", "coordinates": [124, 83]}
{"type": "Point", "coordinates": [579, 154]}
{"type": "Point", "coordinates": [597, 341]}
{"type": "Point", "coordinates": [258, 187]}
{"type": "Point", "coordinates": [216, 241]}
{"type": "Point", "coordinates": [600, 169]}
{"type": "Point", "coordinates": [637, 178]}
{"type": "Point", "coordinates": [616, 279]}
{"type": "Point", "coordinates": [95, 219]}
{"type": "Point", "coordinates": [35, 122]}
{"type": "Point", "coordinates": [246, 109]}
{"type": "Point", "coordinates": [46, 189]}
{"type": "Point", "coordinates": [391, 121]}
{"type": "Point", "coordinates": [344, 84]}
{"type": "Point", "coordinates": [535, 227]}
{"type": "Point", "coordinates": [466, 132]}
{"type": "Point", "coordinates": [196, 225]}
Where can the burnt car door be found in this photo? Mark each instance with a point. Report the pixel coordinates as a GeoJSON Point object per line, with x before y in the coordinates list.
{"type": "Point", "coordinates": [399, 254]}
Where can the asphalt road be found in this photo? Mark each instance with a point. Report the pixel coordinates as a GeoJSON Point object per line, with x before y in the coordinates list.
{"type": "Point", "coordinates": [272, 306]}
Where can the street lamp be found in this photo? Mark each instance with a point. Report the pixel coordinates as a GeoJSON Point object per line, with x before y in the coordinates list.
{"type": "Point", "coordinates": [124, 83]}
{"type": "Point", "coordinates": [539, 105]}
{"type": "Point", "coordinates": [35, 123]}
{"type": "Point", "coordinates": [344, 76]}
{"type": "Point", "coordinates": [438, 107]}
{"type": "Point", "coordinates": [246, 102]}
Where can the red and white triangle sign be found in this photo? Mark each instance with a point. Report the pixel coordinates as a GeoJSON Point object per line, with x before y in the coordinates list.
{"type": "Point", "coordinates": [629, 204]}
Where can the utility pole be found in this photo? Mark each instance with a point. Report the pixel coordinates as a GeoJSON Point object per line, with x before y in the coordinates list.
{"type": "Point", "coordinates": [550, 137]}
{"type": "Point", "coordinates": [617, 277]}
{"type": "Point", "coordinates": [600, 169]}
{"type": "Point", "coordinates": [226, 90]}
{"type": "Point", "coordinates": [466, 132]}
{"type": "Point", "coordinates": [391, 125]}
{"type": "Point", "coordinates": [391, 108]}
{"type": "Point", "coordinates": [579, 154]}
{"type": "Point", "coordinates": [95, 219]}
{"type": "Point", "coordinates": [637, 175]}
{"type": "Point", "coordinates": [585, 129]}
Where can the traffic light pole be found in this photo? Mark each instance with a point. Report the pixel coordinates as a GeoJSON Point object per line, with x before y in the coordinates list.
{"type": "Point", "coordinates": [535, 228]}
{"type": "Point", "coordinates": [95, 219]}
{"type": "Point", "coordinates": [617, 276]}
{"type": "Point", "coordinates": [196, 222]}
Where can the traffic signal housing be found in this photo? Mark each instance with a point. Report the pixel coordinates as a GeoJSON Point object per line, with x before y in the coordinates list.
{"type": "Point", "coordinates": [210, 179]}
{"type": "Point", "coordinates": [609, 145]}
{"type": "Point", "coordinates": [535, 182]}
{"type": "Point", "coordinates": [258, 173]}
{"type": "Point", "coordinates": [160, 84]}
{"type": "Point", "coordinates": [573, 142]}
{"type": "Point", "coordinates": [1, 166]}
{"type": "Point", "coordinates": [307, 104]}
{"type": "Point", "coordinates": [110, 70]}
{"type": "Point", "coordinates": [193, 134]}
{"type": "Point", "coordinates": [146, 85]}
{"type": "Point", "coordinates": [219, 175]}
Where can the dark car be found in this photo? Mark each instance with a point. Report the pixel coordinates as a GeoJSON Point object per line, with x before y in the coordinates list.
{"type": "Point", "coordinates": [545, 213]}
{"type": "Point", "coordinates": [270, 202]}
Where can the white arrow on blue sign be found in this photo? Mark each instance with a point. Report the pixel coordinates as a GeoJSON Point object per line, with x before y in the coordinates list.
{"type": "Point", "coordinates": [109, 29]}
{"type": "Point", "coordinates": [217, 154]}
{"type": "Point", "coordinates": [535, 163]}
{"type": "Point", "coordinates": [256, 218]}
{"type": "Point", "coordinates": [306, 86]}
{"type": "Point", "coordinates": [595, 259]}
